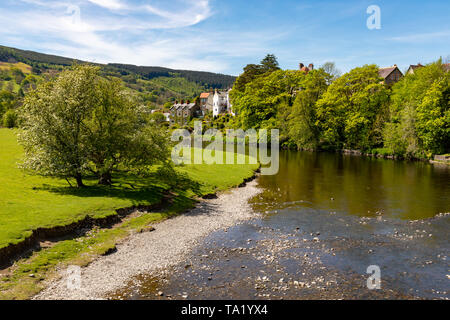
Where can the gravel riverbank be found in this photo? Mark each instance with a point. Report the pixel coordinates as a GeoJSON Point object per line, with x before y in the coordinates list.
{"type": "Point", "coordinates": [170, 244]}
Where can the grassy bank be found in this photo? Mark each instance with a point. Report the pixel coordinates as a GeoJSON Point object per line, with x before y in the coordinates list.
{"type": "Point", "coordinates": [29, 202]}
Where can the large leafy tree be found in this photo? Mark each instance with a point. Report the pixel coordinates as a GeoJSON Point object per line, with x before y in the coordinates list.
{"type": "Point", "coordinates": [303, 129]}
{"type": "Point", "coordinates": [350, 114]}
{"type": "Point", "coordinates": [270, 63]}
{"type": "Point", "coordinates": [259, 104]}
{"type": "Point", "coordinates": [331, 70]}
{"type": "Point", "coordinates": [7, 101]}
{"type": "Point", "coordinates": [419, 113]}
{"type": "Point", "coordinates": [252, 71]}
{"type": "Point", "coordinates": [81, 123]}
{"type": "Point", "coordinates": [433, 117]}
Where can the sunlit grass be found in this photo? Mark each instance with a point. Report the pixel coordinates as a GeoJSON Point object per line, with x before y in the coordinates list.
{"type": "Point", "coordinates": [28, 202]}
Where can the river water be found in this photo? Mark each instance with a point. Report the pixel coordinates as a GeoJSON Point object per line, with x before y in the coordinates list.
{"type": "Point", "coordinates": [321, 222]}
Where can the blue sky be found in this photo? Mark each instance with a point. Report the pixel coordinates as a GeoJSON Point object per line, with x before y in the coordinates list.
{"type": "Point", "coordinates": [225, 35]}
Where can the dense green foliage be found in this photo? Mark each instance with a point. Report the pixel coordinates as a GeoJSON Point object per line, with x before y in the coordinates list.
{"type": "Point", "coordinates": [204, 79]}
{"type": "Point", "coordinates": [323, 110]}
{"type": "Point", "coordinates": [252, 71]}
{"type": "Point", "coordinates": [257, 106]}
{"type": "Point", "coordinates": [8, 101]}
{"type": "Point", "coordinates": [10, 119]}
{"type": "Point", "coordinates": [350, 113]}
{"type": "Point", "coordinates": [301, 122]}
{"type": "Point", "coordinates": [419, 123]}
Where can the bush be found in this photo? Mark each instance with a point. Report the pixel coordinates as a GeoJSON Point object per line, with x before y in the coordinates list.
{"type": "Point", "coordinates": [9, 119]}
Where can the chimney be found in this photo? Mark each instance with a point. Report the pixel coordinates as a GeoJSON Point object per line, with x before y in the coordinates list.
{"type": "Point", "coordinates": [176, 102]}
{"type": "Point", "coordinates": [301, 65]}
{"type": "Point", "coordinates": [182, 101]}
{"type": "Point", "coordinates": [187, 101]}
{"type": "Point", "coordinates": [311, 66]}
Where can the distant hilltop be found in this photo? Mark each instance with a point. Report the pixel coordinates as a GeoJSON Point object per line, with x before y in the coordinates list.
{"type": "Point", "coordinates": [158, 83]}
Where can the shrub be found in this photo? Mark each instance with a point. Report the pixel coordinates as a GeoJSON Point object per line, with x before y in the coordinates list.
{"type": "Point", "coordinates": [9, 119]}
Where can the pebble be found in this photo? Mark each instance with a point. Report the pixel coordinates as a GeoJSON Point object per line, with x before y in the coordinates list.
{"type": "Point", "coordinates": [150, 251]}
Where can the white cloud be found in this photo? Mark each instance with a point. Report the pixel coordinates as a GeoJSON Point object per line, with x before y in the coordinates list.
{"type": "Point", "coordinates": [104, 35]}
{"type": "Point", "coordinates": [109, 4]}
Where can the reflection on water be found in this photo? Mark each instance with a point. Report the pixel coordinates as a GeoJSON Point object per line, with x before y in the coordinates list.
{"type": "Point", "coordinates": [357, 185]}
{"type": "Point", "coordinates": [324, 219]}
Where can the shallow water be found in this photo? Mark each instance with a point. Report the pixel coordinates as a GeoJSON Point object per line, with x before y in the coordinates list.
{"type": "Point", "coordinates": [357, 185]}
{"type": "Point", "coordinates": [321, 222]}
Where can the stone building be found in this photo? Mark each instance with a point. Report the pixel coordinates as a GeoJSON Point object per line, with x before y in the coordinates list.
{"type": "Point", "coordinates": [390, 75]}
{"type": "Point", "coordinates": [183, 112]}
{"type": "Point", "coordinates": [206, 101]}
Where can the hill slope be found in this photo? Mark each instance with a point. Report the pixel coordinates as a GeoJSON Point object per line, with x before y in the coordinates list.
{"type": "Point", "coordinates": [154, 85]}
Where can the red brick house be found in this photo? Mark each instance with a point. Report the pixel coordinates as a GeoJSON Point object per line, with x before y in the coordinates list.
{"type": "Point", "coordinates": [306, 69]}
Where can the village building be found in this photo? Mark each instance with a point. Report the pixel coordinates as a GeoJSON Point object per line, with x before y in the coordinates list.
{"type": "Point", "coordinates": [412, 68]}
{"type": "Point", "coordinates": [167, 115]}
{"type": "Point", "coordinates": [446, 67]}
{"type": "Point", "coordinates": [183, 112]}
{"type": "Point", "coordinates": [206, 101]}
{"type": "Point", "coordinates": [390, 75]}
{"type": "Point", "coordinates": [306, 69]}
{"type": "Point", "coordinates": [221, 103]}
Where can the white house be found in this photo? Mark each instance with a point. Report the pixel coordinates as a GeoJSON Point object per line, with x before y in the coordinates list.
{"type": "Point", "coordinates": [221, 102]}
{"type": "Point", "coordinates": [167, 115]}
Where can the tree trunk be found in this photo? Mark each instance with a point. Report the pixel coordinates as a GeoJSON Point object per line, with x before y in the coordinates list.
{"type": "Point", "coordinates": [105, 179]}
{"type": "Point", "coordinates": [79, 180]}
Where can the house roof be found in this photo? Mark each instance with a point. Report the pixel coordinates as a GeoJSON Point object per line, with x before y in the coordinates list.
{"type": "Point", "coordinates": [305, 69]}
{"type": "Point", "coordinates": [446, 66]}
{"type": "Point", "coordinates": [204, 95]}
{"type": "Point", "coordinates": [222, 93]}
{"type": "Point", "coordinates": [415, 66]}
{"type": "Point", "coordinates": [385, 72]}
{"type": "Point", "coordinates": [183, 106]}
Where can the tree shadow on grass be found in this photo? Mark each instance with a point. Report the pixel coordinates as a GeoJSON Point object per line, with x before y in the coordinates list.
{"type": "Point", "coordinates": [140, 190]}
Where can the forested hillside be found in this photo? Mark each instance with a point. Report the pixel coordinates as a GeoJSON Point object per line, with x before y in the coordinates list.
{"type": "Point", "coordinates": [153, 85]}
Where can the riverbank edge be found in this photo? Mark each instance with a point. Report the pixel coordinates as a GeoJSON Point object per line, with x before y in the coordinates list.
{"type": "Point", "coordinates": [375, 155]}
{"type": "Point", "coordinates": [23, 252]}
{"type": "Point", "coordinates": [149, 252]}
{"type": "Point", "coordinates": [15, 251]}
{"type": "Point", "coordinates": [391, 157]}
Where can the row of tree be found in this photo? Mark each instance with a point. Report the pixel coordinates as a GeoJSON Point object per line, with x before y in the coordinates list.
{"type": "Point", "coordinates": [324, 110]}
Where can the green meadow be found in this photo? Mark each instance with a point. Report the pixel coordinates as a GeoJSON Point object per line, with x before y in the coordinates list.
{"type": "Point", "coordinates": [28, 202]}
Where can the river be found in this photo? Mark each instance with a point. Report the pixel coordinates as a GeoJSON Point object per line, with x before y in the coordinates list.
{"type": "Point", "coordinates": [321, 222]}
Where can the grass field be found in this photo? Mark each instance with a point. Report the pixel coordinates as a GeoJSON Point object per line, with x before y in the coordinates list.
{"type": "Point", "coordinates": [25, 68]}
{"type": "Point", "coordinates": [28, 202]}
